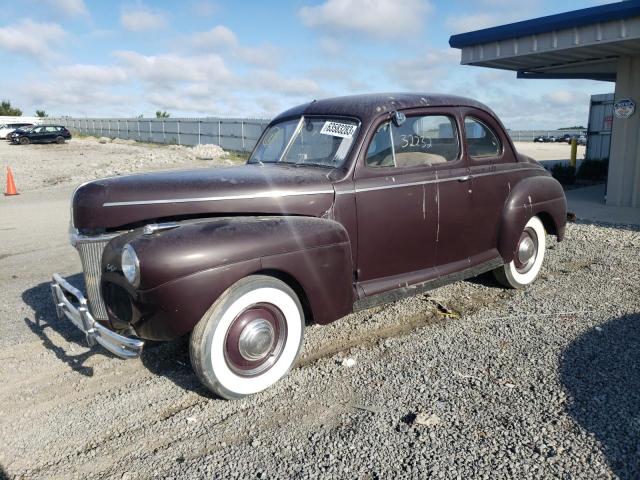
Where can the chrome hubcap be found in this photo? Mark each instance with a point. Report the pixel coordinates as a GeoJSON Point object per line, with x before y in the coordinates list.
{"type": "Point", "coordinates": [256, 340]}
{"type": "Point", "coordinates": [526, 250]}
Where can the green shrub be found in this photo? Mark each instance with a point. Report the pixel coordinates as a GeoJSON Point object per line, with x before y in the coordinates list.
{"type": "Point", "coordinates": [565, 174]}
{"type": "Point", "coordinates": [594, 170]}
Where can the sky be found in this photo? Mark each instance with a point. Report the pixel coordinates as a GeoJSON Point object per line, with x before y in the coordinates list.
{"type": "Point", "coordinates": [197, 58]}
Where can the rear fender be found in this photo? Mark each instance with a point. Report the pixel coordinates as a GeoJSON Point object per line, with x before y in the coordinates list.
{"type": "Point", "coordinates": [540, 196]}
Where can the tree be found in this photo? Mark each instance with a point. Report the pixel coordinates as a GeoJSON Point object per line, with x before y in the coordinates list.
{"type": "Point", "coordinates": [7, 110]}
{"type": "Point", "coordinates": [160, 114]}
{"type": "Point", "coordinates": [41, 114]}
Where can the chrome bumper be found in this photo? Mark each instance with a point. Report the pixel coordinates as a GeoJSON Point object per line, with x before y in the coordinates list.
{"type": "Point", "coordinates": [78, 312]}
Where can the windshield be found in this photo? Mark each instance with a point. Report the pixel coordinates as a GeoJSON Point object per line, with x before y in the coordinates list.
{"type": "Point", "coordinates": [319, 141]}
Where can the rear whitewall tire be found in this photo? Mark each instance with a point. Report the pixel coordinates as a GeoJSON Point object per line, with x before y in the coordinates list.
{"type": "Point", "coordinates": [509, 274]}
{"type": "Point", "coordinates": [210, 338]}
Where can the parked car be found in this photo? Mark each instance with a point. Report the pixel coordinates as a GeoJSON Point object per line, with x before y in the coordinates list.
{"type": "Point", "coordinates": [582, 140]}
{"type": "Point", "coordinates": [42, 134]}
{"type": "Point", "coordinates": [8, 128]}
{"type": "Point", "coordinates": [344, 204]}
{"type": "Point", "coordinates": [544, 139]}
{"type": "Point", "coordinates": [18, 132]}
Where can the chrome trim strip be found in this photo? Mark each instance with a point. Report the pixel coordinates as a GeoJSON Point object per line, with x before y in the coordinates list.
{"type": "Point", "coordinates": [76, 237]}
{"type": "Point", "coordinates": [76, 310]}
{"type": "Point", "coordinates": [152, 228]}
{"type": "Point", "coordinates": [273, 194]}
{"type": "Point", "coordinates": [427, 182]}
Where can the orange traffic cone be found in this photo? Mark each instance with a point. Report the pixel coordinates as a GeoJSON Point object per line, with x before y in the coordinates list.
{"type": "Point", "coordinates": [11, 184]}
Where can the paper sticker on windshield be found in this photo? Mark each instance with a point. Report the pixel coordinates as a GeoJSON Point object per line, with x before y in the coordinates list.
{"type": "Point", "coordinates": [336, 129]}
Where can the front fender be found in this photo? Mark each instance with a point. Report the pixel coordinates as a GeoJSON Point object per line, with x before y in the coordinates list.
{"type": "Point", "coordinates": [540, 196]}
{"type": "Point", "coordinates": [184, 270]}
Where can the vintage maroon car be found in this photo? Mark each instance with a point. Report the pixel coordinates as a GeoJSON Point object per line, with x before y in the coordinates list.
{"type": "Point", "coordinates": [344, 204]}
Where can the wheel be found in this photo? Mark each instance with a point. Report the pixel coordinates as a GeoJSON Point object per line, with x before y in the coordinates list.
{"type": "Point", "coordinates": [24, 141]}
{"type": "Point", "coordinates": [524, 268]}
{"type": "Point", "coordinates": [249, 338]}
{"type": "Point", "coordinates": [59, 140]}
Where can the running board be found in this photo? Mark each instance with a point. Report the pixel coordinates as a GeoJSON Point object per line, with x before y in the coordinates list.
{"type": "Point", "coordinates": [411, 290]}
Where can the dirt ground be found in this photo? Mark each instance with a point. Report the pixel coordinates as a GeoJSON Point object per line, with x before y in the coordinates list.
{"type": "Point", "coordinates": [543, 152]}
{"type": "Point", "coordinates": [540, 383]}
{"type": "Point", "coordinates": [38, 167]}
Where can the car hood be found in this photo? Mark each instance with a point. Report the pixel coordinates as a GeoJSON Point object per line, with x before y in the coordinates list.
{"type": "Point", "coordinates": [132, 200]}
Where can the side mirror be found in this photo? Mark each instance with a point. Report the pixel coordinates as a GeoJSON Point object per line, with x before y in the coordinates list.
{"type": "Point", "coordinates": [399, 118]}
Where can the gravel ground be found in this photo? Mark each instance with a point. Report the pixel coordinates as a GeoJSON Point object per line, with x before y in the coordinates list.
{"type": "Point", "coordinates": [469, 381]}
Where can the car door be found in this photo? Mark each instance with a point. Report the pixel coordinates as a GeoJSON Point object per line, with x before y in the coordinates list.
{"type": "Point", "coordinates": [50, 134]}
{"type": "Point", "coordinates": [491, 161]}
{"type": "Point", "coordinates": [36, 134]}
{"type": "Point", "coordinates": [396, 201]}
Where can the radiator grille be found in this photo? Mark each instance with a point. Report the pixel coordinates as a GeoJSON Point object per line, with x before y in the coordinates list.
{"type": "Point", "coordinates": [90, 250]}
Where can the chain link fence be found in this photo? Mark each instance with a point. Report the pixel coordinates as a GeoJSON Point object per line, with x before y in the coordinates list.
{"type": "Point", "coordinates": [231, 134]}
{"type": "Point", "coordinates": [237, 134]}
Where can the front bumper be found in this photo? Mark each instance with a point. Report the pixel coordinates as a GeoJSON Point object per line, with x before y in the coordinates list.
{"type": "Point", "coordinates": [72, 304]}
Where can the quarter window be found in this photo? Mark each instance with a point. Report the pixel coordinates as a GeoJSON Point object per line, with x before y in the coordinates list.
{"type": "Point", "coordinates": [482, 141]}
{"type": "Point", "coordinates": [426, 140]}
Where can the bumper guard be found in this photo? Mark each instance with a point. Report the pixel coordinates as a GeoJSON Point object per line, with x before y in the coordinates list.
{"type": "Point", "coordinates": [77, 311]}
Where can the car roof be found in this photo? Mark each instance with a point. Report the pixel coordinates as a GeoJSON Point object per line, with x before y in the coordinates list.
{"type": "Point", "coordinates": [368, 106]}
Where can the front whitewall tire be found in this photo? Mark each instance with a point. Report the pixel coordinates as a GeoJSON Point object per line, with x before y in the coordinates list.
{"type": "Point", "coordinates": [209, 339]}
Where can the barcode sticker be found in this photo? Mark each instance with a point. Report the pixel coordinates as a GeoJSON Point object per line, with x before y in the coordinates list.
{"type": "Point", "coordinates": [336, 129]}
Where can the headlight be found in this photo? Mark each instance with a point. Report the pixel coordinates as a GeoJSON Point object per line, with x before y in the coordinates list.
{"type": "Point", "coordinates": [130, 265]}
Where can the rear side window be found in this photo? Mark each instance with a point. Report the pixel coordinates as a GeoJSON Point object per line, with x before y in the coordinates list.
{"type": "Point", "coordinates": [424, 140]}
{"type": "Point", "coordinates": [482, 141]}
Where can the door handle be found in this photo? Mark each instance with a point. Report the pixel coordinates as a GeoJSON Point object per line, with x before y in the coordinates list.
{"type": "Point", "coordinates": [466, 178]}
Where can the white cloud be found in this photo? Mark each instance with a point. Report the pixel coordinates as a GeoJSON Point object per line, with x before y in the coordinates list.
{"type": "Point", "coordinates": [204, 8]}
{"type": "Point", "coordinates": [71, 8]}
{"type": "Point", "coordinates": [36, 39]}
{"type": "Point", "coordinates": [218, 36]}
{"type": "Point", "coordinates": [91, 74]}
{"type": "Point", "coordinates": [493, 14]}
{"type": "Point", "coordinates": [169, 68]}
{"type": "Point", "coordinates": [376, 18]}
{"type": "Point", "coordinates": [223, 40]}
{"type": "Point", "coordinates": [140, 19]}
{"type": "Point", "coordinates": [263, 55]}
{"type": "Point", "coordinates": [66, 98]}
{"type": "Point", "coordinates": [476, 21]}
{"type": "Point", "coordinates": [562, 98]}
{"type": "Point", "coordinates": [272, 81]}
{"type": "Point", "coordinates": [428, 71]}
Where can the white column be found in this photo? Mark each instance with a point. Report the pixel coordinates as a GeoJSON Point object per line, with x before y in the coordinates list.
{"type": "Point", "coordinates": [623, 188]}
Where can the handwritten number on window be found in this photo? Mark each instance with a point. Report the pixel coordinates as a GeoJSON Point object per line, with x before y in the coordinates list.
{"type": "Point", "coordinates": [415, 141]}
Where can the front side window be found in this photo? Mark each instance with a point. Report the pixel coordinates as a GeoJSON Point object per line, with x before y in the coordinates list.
{"type": "Point", "coordinates": [318, 141]}
{"type": "Point", "coordinates": [482, 141]}
{"type": "Point", "coordinates": [425, 140]}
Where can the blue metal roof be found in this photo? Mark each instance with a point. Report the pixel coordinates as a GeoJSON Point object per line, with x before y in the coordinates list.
{"type": "Point", "coordinates": [576, 18]}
